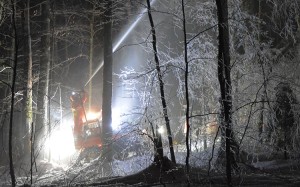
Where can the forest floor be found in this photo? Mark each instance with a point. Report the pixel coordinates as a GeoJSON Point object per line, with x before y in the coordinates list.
{"type": "Point", "coordinates": [275, 172]}
{"type": "Point", "coordinates": [270, 173]}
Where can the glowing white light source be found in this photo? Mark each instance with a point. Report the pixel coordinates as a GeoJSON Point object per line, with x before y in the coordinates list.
{"type": "Point", "coordinates": [92, 116]}
{"type": "Point", "coordinates": [61, 143]}
{"type": "Point", "coordinates": [161, 130]}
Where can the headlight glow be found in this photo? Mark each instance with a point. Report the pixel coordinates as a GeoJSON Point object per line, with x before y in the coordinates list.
{"type": "Point", "coordinates": [92, 116]}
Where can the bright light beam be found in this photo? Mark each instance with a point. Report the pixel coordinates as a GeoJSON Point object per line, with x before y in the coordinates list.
{"type": "Point", "coordinates": [121, 40]}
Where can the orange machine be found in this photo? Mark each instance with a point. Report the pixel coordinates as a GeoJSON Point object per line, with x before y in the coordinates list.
{"type": "Point", "coordinates": [87, 126]}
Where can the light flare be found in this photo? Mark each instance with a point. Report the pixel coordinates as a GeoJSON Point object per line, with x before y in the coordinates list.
{"type": "Point", "coordinates": [91, 115]}
{"type": "Point", "coordinates": [61, 143]}
{"type": "Point", "coordinates": [161, 130]}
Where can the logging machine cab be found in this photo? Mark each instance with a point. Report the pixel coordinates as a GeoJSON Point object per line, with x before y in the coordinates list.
{"type": "Point", "coordinates": [87, 125]}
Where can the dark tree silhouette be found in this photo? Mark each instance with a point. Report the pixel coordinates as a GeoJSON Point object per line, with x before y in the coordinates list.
{"type": "Point", "coordinates": [15, 60]}
{"type": "Point", "coordinates": [284, 117]}
{"type": "Point", "coordinates": [186, 74]}
{"type": "Point", "coordinates": [161, 83]}
{"type": "Point", "coordinates": [224, 71]}
{"type": "Point", "coordinates": [107, 79]}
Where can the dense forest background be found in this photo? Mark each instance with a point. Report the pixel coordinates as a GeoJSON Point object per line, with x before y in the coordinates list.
{"type": "Point", "coordinates": [206, 88]}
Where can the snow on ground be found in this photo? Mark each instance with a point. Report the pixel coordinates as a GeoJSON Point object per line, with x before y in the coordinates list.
{"type": "Point", "coordinates": [95, 170]}
{"type": "Point", "coordinates": [50, 173]}
{"type": "Point", "coordinates": [85, 172]}
{"type": "Point", "coordinates": [275, 164]}
{"type": "Point", "coordinates": [82, 172]}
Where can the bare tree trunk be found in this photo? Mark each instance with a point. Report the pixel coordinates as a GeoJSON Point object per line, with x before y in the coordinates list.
{"type": "Point", "coordinates": [107, 80]}
{"type": "Point", "coordinates": [224, 78]}
{"type": "Point", "coordinates": [15, 60]}
{"type": "Point", "coordinates": [161, 84]}
{"type": "Point", "coordinates": [186, 84]}
{"type": "Point", "coordinates": [21, 132]}
{"type": "Point", "coordinates": [28, 106]}
{"type": "Point", "coordinates": [42, 103]}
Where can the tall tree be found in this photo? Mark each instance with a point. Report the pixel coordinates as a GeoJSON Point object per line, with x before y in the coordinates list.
{"type": "Point", "coordinates": [27, 122]}
{"type": "Point", "coordinates": [15, 60]}
{"type": "Point", "coordinates": [42, 102]}
{"type": "Point", "coordinates": [107, 78]}
{"type": "Point", "coordinates": [224, 71]}
{"type": "Point", "coordinates": [186, 84]}
{"type": "Point", "coordinates": [161, 83]}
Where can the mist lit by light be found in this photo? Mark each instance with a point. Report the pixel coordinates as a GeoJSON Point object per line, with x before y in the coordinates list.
{"type": "Point", "coordinates": [61, 142]}
{"type": "Point", "coordinates": [116, 119]}
{"type": "Point", "coordinates": [131, 28]}
{"type": "Point", "coordinates": [121, 40]}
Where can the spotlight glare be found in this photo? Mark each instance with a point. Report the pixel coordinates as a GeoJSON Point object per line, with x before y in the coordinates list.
{"type": "Point", "coordinates": [161, 130]}
{"type": "Point", "coordinates": [61, 143]}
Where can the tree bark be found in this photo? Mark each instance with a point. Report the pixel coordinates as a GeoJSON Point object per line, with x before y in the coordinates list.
{"type": "Point", "coordinates": [27, 122]}
{"type": "Point", "coordinates": [224, 70]}
{"type": "Point", "coordinates": [186, 84]}
{"type": "Point", "coordinates": [161, 84]}
{"type": "Point", "coordinates": [15, 60]}
{"type": "Point", "coordinates": [43, 91]}
{"type": "Point", "coordinates": [107, 81]}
